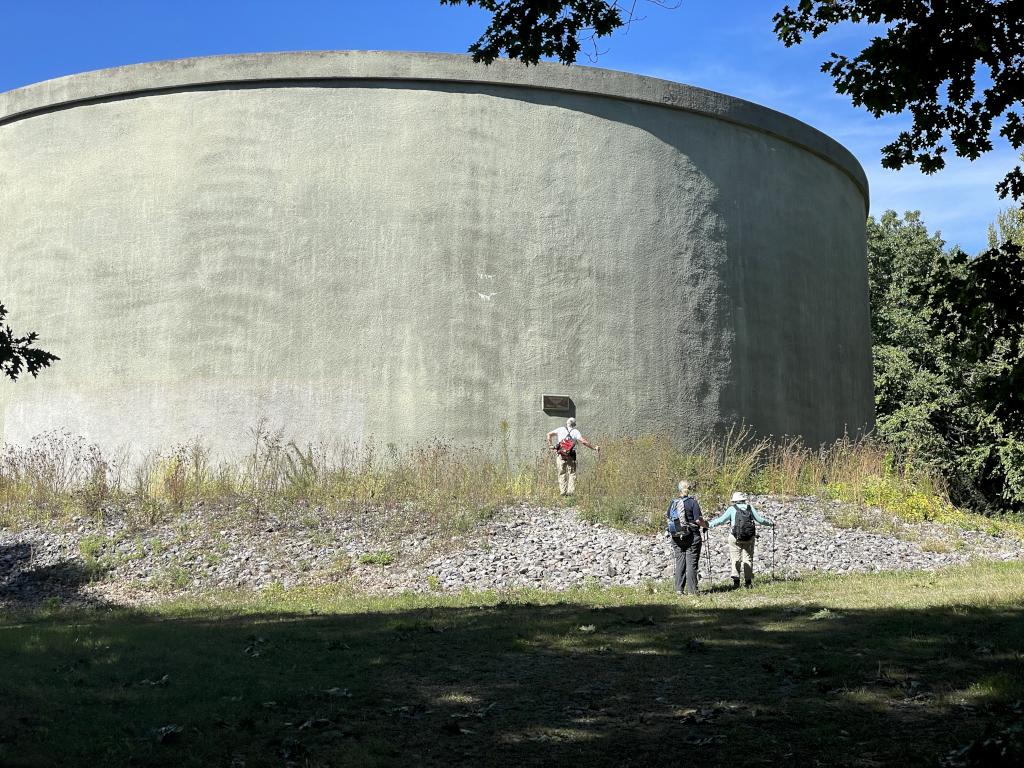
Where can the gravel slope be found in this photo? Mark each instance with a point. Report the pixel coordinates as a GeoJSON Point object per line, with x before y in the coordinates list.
{"type": "Point", "coordinates": [521, 547]}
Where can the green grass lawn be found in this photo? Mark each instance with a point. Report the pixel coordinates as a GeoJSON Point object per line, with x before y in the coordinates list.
{"type": "Point", "coordinates": [891, 669]}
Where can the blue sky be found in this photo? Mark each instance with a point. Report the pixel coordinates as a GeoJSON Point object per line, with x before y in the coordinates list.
{"type": "Point", "coordinates": [724, 45]}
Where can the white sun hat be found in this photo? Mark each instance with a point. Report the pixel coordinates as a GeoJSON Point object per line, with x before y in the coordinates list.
{"type": "Point", "coordinates": [738, 496]}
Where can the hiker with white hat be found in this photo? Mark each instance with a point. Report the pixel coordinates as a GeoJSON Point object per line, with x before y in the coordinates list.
{"type": "Point", "coordinates": [742, 517]}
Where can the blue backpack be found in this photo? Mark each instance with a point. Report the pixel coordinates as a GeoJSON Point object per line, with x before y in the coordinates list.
{"type": "Point", "coordinates": [676, 516]}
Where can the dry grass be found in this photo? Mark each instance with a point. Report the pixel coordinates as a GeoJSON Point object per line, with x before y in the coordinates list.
{"type": "Point", "coordinates": [449, 488]}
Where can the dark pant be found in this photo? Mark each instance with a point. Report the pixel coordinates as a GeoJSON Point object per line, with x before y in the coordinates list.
{"type": "Point", "coordinates": [687, 560]}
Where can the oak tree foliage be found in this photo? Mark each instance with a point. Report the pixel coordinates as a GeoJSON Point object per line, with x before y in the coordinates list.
{"type": "Point", "coordinates": [18, 354]}
{"type": "Point", "coordinates": [529, 30]}
{"type": "Point", "coordinates": [955, 66]}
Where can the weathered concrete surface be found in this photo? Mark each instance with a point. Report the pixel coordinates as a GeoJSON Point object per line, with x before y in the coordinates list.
{"type": "Point", "coordinates": [415, 247]}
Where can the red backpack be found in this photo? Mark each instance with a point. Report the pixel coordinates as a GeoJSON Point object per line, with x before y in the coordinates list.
{"type": "Point", "coordinates": [567, 447]}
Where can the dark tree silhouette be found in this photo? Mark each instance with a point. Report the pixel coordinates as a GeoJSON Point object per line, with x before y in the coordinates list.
{"type": "Point", "coordinates": [956, 66]}
{"type": "Point", "coordinates": [530, 30]}
{"type": "Point", "coordinates": [18, 353]}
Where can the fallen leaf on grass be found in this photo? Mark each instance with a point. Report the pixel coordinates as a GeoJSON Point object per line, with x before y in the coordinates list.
{"type": "Point", "coordinates": [479, 714]}
{"type": "Point", "coordinates": [414, 712]}
{"type": "Point", "coordinates": [339, 692]}
{"type": "Point", "coordinates": [702, 741]}
{"type": "Point", "coordinates": [587, 628]}
{"type": "Point", "coordinates": [161, 683]}
{"type": "Point", "coordinates": [825, 613]}
{"type": "Point", "coordinates": [256, 647]}
{"type": "Point", "coordinates": [167, 734]}
{"type": "Point", "coordinates": [702, 715]}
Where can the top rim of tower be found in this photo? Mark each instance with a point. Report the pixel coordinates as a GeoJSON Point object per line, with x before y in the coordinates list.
{"type": "Point", "coordinates": [294, 68]}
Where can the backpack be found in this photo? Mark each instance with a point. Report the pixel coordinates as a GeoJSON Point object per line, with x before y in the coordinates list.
{"type": "Point", "coordinates": [743, 524]}
{"type": "Point", "coordinates": [677, 518]}
{"type": "Point", "coordinates": [567, 447]}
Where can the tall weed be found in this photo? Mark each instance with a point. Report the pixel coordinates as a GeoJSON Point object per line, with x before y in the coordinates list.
{"type": "Point", "coordinates": [449, 487]}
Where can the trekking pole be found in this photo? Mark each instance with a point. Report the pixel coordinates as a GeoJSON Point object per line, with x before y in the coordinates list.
{"type": "Point", "coordinates": [773, 550]}
{"type": "Point", "coordinates": [707, 548]}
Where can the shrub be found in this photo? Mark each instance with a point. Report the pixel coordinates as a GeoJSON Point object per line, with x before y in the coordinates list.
{"type": "Point", "coordinates": [380, 557]}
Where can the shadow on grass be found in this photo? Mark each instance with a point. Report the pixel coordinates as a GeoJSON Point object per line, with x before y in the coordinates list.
{"type": "Point", "coordinates": [23, 583]}
{"type": "Point", "coordinates": [508, 684]}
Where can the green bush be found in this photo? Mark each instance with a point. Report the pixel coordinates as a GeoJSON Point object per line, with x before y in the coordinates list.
{"type": "Point", "coordinates": [380, 557]}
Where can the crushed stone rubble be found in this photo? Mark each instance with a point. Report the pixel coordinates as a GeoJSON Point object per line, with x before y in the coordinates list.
{"type": "Point", "coordinates": [202, 550]}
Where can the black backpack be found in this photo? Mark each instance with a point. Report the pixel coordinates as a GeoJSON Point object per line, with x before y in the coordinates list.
{"type": "Point", "coordinates": [743, 524]}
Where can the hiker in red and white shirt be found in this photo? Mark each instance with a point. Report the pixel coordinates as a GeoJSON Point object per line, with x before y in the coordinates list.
{"type": "Point", "coordinates": [564, 447]}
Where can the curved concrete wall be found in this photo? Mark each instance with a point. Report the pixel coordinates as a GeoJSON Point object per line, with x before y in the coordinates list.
{"type": "Point", "coordinates": [414, 246]}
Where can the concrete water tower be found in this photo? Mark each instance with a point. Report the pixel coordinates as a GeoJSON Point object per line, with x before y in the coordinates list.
{"type": "Point", "coordinates": [415, 246]}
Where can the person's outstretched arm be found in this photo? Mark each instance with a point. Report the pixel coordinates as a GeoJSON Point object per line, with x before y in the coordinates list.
{"type": "Point", "coordinates": [758, 517]}
{"type": "Point", "coordinates": [587, 443]}
{"type": "Point", "coordinates": [725, 517]}
{"type": "Point", "coordinates": [551, 434]}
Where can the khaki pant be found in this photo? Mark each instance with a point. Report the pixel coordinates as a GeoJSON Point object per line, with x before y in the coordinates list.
{"type": "Point", "coordinates": [566, 475]}
{"type": "Point", "coordinates": [742, 553]}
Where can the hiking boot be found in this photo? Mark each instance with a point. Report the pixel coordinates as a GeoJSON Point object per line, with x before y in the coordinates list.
{"type": "Point", "coordinates": [735, 582]}
{"type": "Point", "coordinates": [748, 584]}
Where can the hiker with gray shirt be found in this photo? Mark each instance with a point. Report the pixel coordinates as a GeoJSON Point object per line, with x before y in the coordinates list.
{"type": "Point", "coordinates": [742, 517]}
